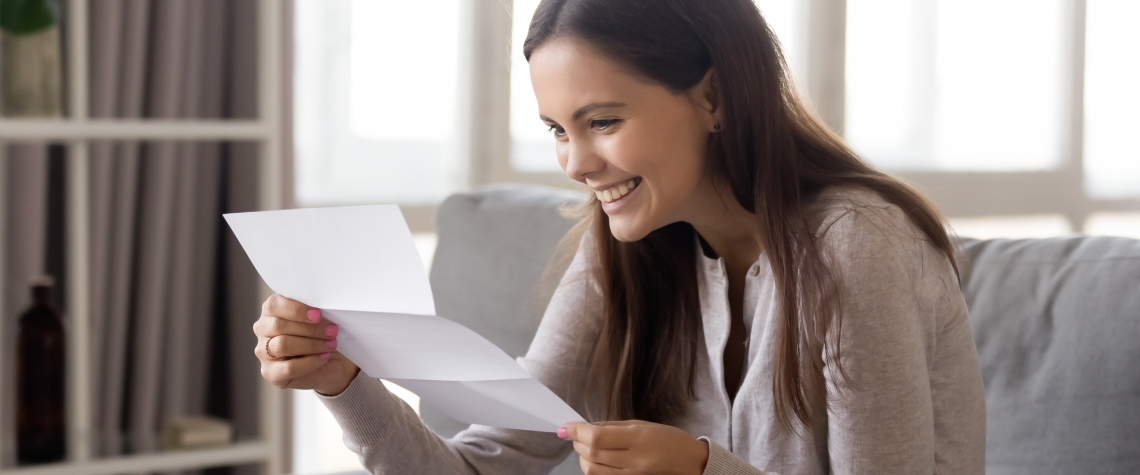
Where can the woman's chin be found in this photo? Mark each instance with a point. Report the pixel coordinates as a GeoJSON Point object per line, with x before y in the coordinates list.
{"type": "Point", "coordinates": [625, 232]}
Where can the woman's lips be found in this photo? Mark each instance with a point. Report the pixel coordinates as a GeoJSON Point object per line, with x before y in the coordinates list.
{"type": "Point", "coordinates": [616, 200]}
{"type": "Point", "coordinates": [616, 193]}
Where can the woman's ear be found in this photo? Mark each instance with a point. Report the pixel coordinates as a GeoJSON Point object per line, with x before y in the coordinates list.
{"type": "Point", "coordinates": [706, 97]}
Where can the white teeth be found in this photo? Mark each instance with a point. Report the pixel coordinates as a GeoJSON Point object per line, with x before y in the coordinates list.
{"type": "Point", "coordinates": [615, 193]}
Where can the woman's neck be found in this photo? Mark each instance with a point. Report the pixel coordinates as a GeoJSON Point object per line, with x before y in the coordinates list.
{"type": "Point", "coordinates": [731, 231]}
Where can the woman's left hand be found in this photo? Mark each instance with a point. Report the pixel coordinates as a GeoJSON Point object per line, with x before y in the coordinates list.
{"type": "Point", "coordinates": [632, 447]}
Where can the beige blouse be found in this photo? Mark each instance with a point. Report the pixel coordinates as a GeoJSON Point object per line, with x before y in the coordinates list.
{"type": "Point", "coordinates": [913, 403]}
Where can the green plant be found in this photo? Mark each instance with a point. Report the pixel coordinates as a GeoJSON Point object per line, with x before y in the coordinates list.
{"type": "Point", "coordinates": [21, 17]}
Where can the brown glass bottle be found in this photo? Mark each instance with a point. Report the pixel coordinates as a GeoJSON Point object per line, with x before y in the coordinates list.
{"type": "Point", "coordinates": [41, 432]}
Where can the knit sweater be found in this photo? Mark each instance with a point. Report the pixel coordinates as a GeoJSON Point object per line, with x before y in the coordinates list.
{"type": "Point", "coordinates": [912, 401]}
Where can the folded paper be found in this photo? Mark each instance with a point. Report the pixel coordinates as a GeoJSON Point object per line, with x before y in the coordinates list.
{"type": "Point", "coordinates": [359, 265]}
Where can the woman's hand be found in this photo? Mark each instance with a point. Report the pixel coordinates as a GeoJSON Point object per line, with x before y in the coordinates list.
{"type": "Point", "coordinates": [301, 351]}
{"type": "Point", "coordinates": [633, 447]}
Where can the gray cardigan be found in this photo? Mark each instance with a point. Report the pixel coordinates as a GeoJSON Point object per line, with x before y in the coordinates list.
{"type": "Point", "coordinates": [913, 402]}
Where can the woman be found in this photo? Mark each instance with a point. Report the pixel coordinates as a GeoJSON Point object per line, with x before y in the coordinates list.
{"type": "Point", "coordinates": [749, 297]}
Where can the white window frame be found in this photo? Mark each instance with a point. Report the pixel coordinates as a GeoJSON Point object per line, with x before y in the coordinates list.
{"type": "Point", "coordinates": [485, 109]}
{"type": "Point", "coordinates": [1059, 191]}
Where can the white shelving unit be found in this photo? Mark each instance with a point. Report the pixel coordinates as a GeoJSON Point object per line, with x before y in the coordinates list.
{"type": "Point", "coordinates": [76, 130]}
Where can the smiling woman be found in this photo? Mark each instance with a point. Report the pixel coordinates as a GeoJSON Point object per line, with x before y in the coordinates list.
{"type": "Point", "coordinates": [747, 295]}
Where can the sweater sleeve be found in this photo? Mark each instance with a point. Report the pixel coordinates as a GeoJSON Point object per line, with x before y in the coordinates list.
{"type": "Point", "coordinates": [723, 462]}
{"type": "Point", "coordinates": [900, 303]}
{"type": "Point", "coordinates": [390, 438]}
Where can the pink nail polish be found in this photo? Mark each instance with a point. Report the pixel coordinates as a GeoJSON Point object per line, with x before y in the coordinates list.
{"type": "Point", "coordinates": [562, 434]}
{"type": "Point", "coordinates": [314, 315]}
{"type": "Point", "coordinates": [330, 344]}
{"type": "Point", "coordinates": [332, 331]}
{"type": "Point", "coordinates": [325, 356]}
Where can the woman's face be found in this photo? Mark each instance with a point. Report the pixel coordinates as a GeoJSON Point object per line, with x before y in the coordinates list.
{"type": "Point", "coordinates": [638, 145]}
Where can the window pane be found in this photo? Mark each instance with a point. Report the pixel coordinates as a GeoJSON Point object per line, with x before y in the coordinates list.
{"type": "Point", "coordinates": [1011, 227]}
{"type": "Point", "coordinates": [785, 18]}
{"type": "Point", "coordinates": [532, 146]}
{"type": "Point", "coordinates": [375, 87]}
{"type": "Point", "coordinates": [1113, 224]}
{"type": "Point", "coordinates": [1112, 98]}
{"type": "Point", "coordinates": [956, 84]}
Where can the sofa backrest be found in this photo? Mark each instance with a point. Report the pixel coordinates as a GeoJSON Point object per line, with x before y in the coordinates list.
{"type": "Point", "coordinates": [1056, 321]}
{"type": "Point", "coordinates": [1057, 325]}
{"type": "Point", "coordinates": [494, 245]}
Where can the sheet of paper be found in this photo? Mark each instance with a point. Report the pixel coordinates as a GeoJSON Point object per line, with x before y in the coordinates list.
{"type": "Point", "coordinates": [349, 258]}
{"type": "Point", "coordinates": [519, 403]}
{"type": "Point", "coordinates": [403, 346]}
{"type": "Point", "coordinates": [360, 266]}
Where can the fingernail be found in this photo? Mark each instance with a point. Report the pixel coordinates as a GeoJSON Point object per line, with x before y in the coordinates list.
{"type": "Point", "coordinates": [325, 356]}
{"type": "Point", "coordinates": [314, 315]}
{"type": "Point", "coordinates": [562, 434]}
{"type": "Point", "coordinates": [331, 331]}
{"type": "Point", "coordinates": [330, 343]}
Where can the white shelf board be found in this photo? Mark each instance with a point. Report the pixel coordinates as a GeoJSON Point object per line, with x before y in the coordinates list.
{"type": "Point", "coordinates": [144, 129]}
{"type": "Point", "coordinates": [239, 453]}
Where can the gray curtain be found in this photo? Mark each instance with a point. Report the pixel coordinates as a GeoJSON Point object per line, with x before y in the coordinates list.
{"type": "Point", "coordinates": [161, 349]}
{"type": "Point", "coordinates": [172, 295]}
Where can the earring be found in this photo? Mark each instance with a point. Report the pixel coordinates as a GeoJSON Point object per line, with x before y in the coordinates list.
{"type": "Point", "coordinates": [716, 127]}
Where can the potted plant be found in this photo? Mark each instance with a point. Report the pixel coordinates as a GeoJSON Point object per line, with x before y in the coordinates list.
{"type": "Point", "coordinates": [30, 59]}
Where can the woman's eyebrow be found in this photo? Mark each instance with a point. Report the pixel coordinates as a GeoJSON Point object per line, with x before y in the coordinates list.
{"type": "Point", "coordinates": [586, 109]}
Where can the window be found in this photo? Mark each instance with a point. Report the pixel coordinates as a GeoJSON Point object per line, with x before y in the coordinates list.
{"type": "Point", "coordinates": [375, 122]}
{"type": "Point", "coordinates": [1112, 99]}
{"type": "Point", "coordinates": [1012, 115]}
{"type": "Point", "coordinates": [375, 95]}
{"type": "Point", "coordinates": [532, 146]}
{"type": "Point", "coordinates": [788, 18]}
{"type": "Point", "coordinates": [1114, 224]}
{"type": "Point", "coordinates": [1012, 227]}
{"type": "Point", "coordinates": [956, 84]}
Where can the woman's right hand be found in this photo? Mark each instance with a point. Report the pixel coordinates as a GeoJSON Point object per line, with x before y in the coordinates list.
{"type": "Point", "coordinates": [303, 348]}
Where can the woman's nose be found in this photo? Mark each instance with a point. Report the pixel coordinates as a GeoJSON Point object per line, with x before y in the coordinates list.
{"type": "Point", "coordinates": [579, 161]}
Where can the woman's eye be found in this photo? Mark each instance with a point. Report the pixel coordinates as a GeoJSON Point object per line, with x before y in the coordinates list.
{"type": "Point", "coordinates": [603, 124]}
{"type": "Point", "coordinates": [557, 130]}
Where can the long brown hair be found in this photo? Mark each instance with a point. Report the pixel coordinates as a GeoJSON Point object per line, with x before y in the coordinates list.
{"type": "Point", "coordinates": [772, 152]}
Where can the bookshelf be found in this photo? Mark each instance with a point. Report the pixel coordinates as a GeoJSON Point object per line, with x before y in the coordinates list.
{"type": "Point", "coordinates": [76, 131]}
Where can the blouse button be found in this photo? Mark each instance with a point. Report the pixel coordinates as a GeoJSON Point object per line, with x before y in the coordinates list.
{"type": "Point", "coordinates": [755, 271]}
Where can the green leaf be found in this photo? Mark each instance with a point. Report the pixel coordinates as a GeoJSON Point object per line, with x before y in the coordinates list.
{"type": "Point", "coordinates": [22, 17]}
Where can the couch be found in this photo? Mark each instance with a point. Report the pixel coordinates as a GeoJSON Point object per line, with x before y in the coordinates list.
{"type": "Point", "coordinates": [1056, 322]}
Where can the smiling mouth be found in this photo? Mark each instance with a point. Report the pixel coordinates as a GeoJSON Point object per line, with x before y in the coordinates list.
{"type": "Point", "coordinates": [614, 193]}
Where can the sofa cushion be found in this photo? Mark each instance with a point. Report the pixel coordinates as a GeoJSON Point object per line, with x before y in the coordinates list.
{"type": "Point", "coordinates": [1057, 325]}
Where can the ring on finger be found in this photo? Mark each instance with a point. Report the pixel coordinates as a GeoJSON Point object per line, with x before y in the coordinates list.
{"type": "Point", "coordinates": [267, 347]}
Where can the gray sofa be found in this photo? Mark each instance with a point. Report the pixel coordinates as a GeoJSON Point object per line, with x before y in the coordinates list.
{"type": "Point", "coordinates": [1056, 321]}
